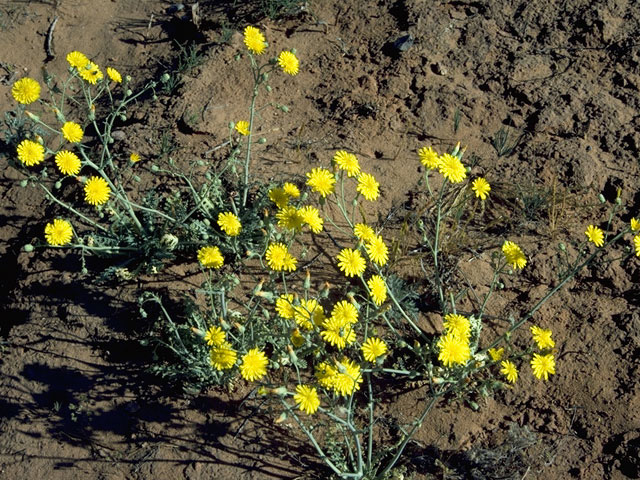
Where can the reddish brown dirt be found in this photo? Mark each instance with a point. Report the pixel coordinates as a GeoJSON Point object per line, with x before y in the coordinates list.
{"type": "Point", "coordinates": [75, 399]}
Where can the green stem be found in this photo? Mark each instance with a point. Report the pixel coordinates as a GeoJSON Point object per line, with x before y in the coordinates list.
{"type": "Point", "coordinates": [73, 210]}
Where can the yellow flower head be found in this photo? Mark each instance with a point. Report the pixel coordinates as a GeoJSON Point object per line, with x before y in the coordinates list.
{"type": "Point", "coordinates": [351, 262]}
{"type": "Point", "coordinates": [636, 245]}
{"type": "Point", "coordinates": [297, 340]}
{"type": "Point", "coordinates": [373, 348]}
{"type": "Point", "coordinates": [114, 75]}
{"type": "Point", "coordinates": [452, 168]}
{"type": "Point", "coordinates": [496, 354]}
{"type": "Point", "coordinates": [77, 59]}
{"type": "Point", "coordinates": [543, 365]}
{"type": "Point", "coordinates": [378, 289]}
{"type": "Point", "coordinates": [509, 370]}
{"type": "Point", "coordinates": [134, 157]}
{"type": "Point", "coordinates": [345, 311]}
{"type": "Point", "coordinates": [348, 377]}
{"type": "Point", "coordinates": [453, 350]}
{"type": "Point", "coordinates": [311, 216]}
{"type": "Point", "coordinates": [513, 254]}
{"type": "Point", "coordinates": [254, 365]}
{"type": "Point", "coordinates": [429, 158]}
{"type": "Point", "coordinates": [242, 127]}
{"type": "Point", "coordinates": [347, 162]}
{"type": "Point", "coordinates": [291, 189]}
{"type": "Point", "coordinates": [368, 186]}
{"type": "Point", "coordinates": [72, 132]}
{"type": "Point", "coordinates": [68, 162]}
{"type": "Point", "coordinates": [279, 258]}
{"type": "Point", "coordinates": [457, 325]}
{"type": "Point", "coordinates": [58, 233]}
{"type": "Point", "coordinates": [290, 218]}
{"type": "Point", "coordinates": [308, 314]}
{"type": "Point", "coordinates": [635, 224]}
{"type": "Point", "coordinates": [223, 356]}
{"type": "Point", "coordinates": [595, 235]}
{"type": "Point", "coordinates": [542, 337]}
{"type": "Point", "coordinates": [364, 232]}
{"type": "Point", "coordinates": [321, 180]}
{"type": "Point", "coordinates": [91, 73]}
{"type": "Point", "coordinates": [215, 336]}
{"type": "Point", "coordinates": [377, 250]}
{"type": "Point", "coordinates": [96, 191]}
{"type": "Point", "coordinates": [254, 40]}
{"type": "Point", "coordinates": [285, 307]}
{"type": "Point", "coordinates": [229, 224]}
{"type": "Point", "coordinates": [288, 62]}
{"type": "Point", "coordinates": [210, 257]}
{"type": "Point", "coordinates": [26, 91]}
{"type": "Point", "coordinates": [481, 188]}
{"type": "Point", "coordinates": [338, 333]}
{"type": "Point", "coordinates": [307, 399]}
{"type": "Point", "coordinates": [278, 196]}
{"type": "Point", "coordinates": [30, 153]}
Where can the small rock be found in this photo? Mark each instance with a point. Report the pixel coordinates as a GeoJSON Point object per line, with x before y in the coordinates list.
{"type": "Point", "coordinates": [176, 7]}
{"type": "Point", "coordinates": [403, 43]}
{"type": "Point", "coordinates": [439, 69]}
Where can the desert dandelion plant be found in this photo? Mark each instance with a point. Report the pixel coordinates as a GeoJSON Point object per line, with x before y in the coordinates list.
{"type": "Point", "coordinates": [26, 91]}
{"type": "Point", "coordinates": [210, 257]}
{"type": "Point", "coordinates": [96, 191]}
{"type": "Point", "coordinates": [254, 40]}
{"type": "Point", "coordinates": [307, 399]}
{"type": "Point", "coordinates": [288, 62]}
{"type": "Point", "coordinates": [58, 233]}
{"type": "Point", "coordinates": [30, 153]}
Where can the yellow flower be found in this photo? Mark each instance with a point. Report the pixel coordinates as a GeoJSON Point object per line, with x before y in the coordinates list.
{"type": "Point", "coordinates": [254, 40]}
{"type": "Point", "coordinates": [114, 75]}
{"type": "Point", "coordinates": [509, 370]}
{"type": "Point", "coordinates": [297, 340]}
{"type": "Point", "coordinates": [77, 59]}
{"type": "Point", "coordinates": [351, 262]}
{"type": "Point", "coordinates": [377, 250]}
{"type": "Point", "coordinates": [288, 62]}
{"type": "Point", "coordinates": [373, 348]}
{"type": "Point", "coordinates": [481, 188]}
{"type": "Point", "coordinates": [68, 162]}
{"type": "Point", "coordinates": [279, 258]}
{"type": "Point", "coordinates": [429, 158]}
{"type": "Point", "coordinates": [223, 356]}
{"type": "Point", "coordinates": [452, 168]}
{"type": "Point", "coordinates": [378, 289]}
{"type": "Point", "coordinates": [279, 197]}
{"type": "Point", "coordinates": [30, 153]}
{"type": "Point", "coordinates": [307, 399]}
{"type": "Point", "coordinates": [215, 336]}
{"type": "Point", "coordinates": [90, 73]}
{"type": "Point", "coordinates": [542, 337]}
{"type": "Point", "coordinates": [311, 216]}
{"type": "Point", "coordinates": [347, 162]}
{"type": "Point", "coordinates": [58, 233]}
{"type": "Point", "coordinates": [96, 191]}
{"type": "Point", "coordinates": [635, 224]}
{"type": "Point", "coordinates": [345, 311]}
{"type": "Point", "coordinates": [636, 244]}
{"type": "Point", "coordinates": [364, 232]}
{"type": "Point", "coordinates": [326, 374]}
{"type": "Point", "coordinates": [368, 186]}
{"type": "Point", "coordinates": [254, 365]}
{"type": "Point", "coordinates": [229, 223]}
{"type": "Point", "coordinates": [242, 127]}
{"type": "Point", "coordinates": [496, 354]}
{"type": "Point", "coordinates": [134, 157]}
{"type": "Point", "coordinates": [321, 180]}
{"type": "Point", "coordinates": [308, 314]}
{"type": "Point", "coordinates": [513, 254]}
{"type": "Point", "coordinates": [453, 350]}
{"type": "Point", "coordinates": [595, 235]}
{"type": "Point", "coordinates": [348, 377]}
{"type": "Point", "coordinates": [284, 306]}
{"type": "Point", "coordinates": [26, 91]}
{"type": "Point", "coordinates": [72, 132]}
{"type": "Point", "coordinates": [291, 189]}
{"type": "Point", "coordinates": [338, 333]}
{"type": "Point", "coordinates": [543, 365]}
{"type": "Point", "coordinates": [290, 218]}
{"type": "Point", "coordinates": [457, 325]}
{"type": "Point", "coordinates": [210, 257]}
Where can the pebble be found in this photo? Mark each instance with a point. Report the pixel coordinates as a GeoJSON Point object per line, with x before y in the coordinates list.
{"type": "Point", "coordinates": [403, 43]}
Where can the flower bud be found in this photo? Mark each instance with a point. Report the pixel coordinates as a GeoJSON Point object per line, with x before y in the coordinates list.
{"type": "Point", "coordinates": [128, 92]}
{"type": "Point", "coordinates": [24, 183]}
{"type": "Point", "coordinates": [57, 185]}
{"type": "Point", "coordinates": [32, 116]}
{"type": "Point", "coordinates": [28, 248]}
{"type": "Point", "coordinates": [165, 78]}
{"type": "Point", "coordinates": [284, 108]}
{"type": "Point", "coordinates": [601, 198]}
{"type": "Point", "coordinates": [268, 88]}
{"type": "Point", "coordinates": [262, 140]}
